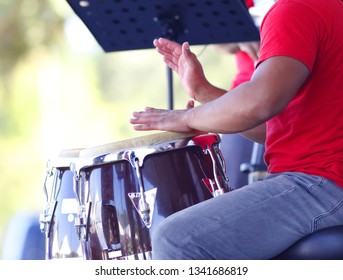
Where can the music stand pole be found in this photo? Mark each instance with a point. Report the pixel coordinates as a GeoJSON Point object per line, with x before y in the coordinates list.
{"type": "Point", "coordinates": [170, 88]}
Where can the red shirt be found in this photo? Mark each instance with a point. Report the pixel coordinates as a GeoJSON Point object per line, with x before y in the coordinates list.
{"type": "Point", "coordinates": [308, 135]}
{"type": "Point", "coordinates": [245, 68]}
{"type": "Point", "coordinates": [249, 3]}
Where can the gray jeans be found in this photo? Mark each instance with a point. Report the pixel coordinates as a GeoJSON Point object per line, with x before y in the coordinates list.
{"type": "Point", "coordinates": [258, 221]}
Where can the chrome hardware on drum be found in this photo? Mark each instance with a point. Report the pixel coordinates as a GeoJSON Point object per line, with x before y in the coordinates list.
{"type": "Point", "coordinates": [58, 219]}
{"type": "Point", "coordinates": [127, 188]}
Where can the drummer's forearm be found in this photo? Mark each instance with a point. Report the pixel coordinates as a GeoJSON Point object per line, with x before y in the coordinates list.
{"type": "Point", "coordinates": [207, 93]}
{"type": "Point", "coordinates": [231, 113]}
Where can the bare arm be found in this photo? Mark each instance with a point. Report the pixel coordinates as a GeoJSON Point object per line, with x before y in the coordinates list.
{"type": "Point", "coordinates": [243, 108]}
{"type": "Point", "coordinates": [187, 66]}
{"type": "Point", "coordinates": [252, 103]}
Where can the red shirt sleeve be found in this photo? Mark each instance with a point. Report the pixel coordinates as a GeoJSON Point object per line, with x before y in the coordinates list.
{"type": "Point", "coordinates": [288, 30]}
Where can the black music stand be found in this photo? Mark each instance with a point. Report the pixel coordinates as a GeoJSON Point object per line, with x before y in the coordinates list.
{"type": "Point", "coordinates": [120, 25]}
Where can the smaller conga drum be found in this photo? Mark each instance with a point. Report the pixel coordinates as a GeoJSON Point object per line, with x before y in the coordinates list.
{"type": "Point", "coordinates": [58, 218]}
{"type": "Point", "coordinates": [127, 188]}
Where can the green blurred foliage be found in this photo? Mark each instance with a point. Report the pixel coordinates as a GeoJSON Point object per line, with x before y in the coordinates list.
{"type": "Point", "coordinates": [55, 96]}
{"type": "Point", "coordinates": [25, 26]}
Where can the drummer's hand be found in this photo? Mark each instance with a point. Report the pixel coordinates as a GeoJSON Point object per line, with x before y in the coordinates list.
{"type": "Point", "coordinates": [185, 63]}
{"type": "Point", "coordinates": [190, 104]}
{"type": "Point", "coordinates": [251, 48]}
{"type": "Point", "coordinates": [160, 119]}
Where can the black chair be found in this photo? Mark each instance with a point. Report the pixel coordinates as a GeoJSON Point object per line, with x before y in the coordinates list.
{"type": "Point", "coordinates": [324, 244]}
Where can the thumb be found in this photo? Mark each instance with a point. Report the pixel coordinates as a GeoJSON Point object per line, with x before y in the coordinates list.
{"type": "Point", "coordinates": [190, 104]}
{"type": "Point", "coordinates": [186, 48]}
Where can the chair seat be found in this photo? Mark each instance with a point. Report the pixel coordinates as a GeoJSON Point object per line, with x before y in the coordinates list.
{"type": "Point", "coordinates": [324, 244]}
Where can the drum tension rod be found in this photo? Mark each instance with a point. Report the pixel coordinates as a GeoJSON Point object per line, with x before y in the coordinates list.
{"type": "Point", "coordinates": [50, 207]}
{"type": "Point", "coordinates": [220, 189]}
{"type": "Point", "coordinates": [80, 183]}
{"type": "Point", "coordinates": [143, 206]}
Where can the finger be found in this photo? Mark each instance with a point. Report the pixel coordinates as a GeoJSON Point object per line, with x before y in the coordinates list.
{"type": "Point", "coordinates": [186, 46]}
{"type": "Point", "coordinates": [171, 60]}
{"type": "Point", "coordinates": [190, 104]}
{"type": "Point", "coordinates": [176, 47]}
{"type": "Point", "coordinates": [155, 110]}
{"type": "Point", "coordinates": [254, 52]}
{"type": "Point", "coordinates": [155, 42]}
{"type": "Point", "coordinates": [143, 127]}
{"type": "Point", "coordinates": [253, 55]}
{"type": "Point", "coordinates": [186, 49]}
{"type": "Point", "coordinates": [164, 45]}
{"type": "Point", "coordinates": [142, 120]}
{"type": "Point", "coordinates": [252, 49]}
{"type": "Point", "coordinates": [188, 54]}
{"type": "Point", "coordinates": [149, 115]}
{"type": "Point", "coordinates": [145, 121]}
{"type": "Point", "coordinates": [172, 65]}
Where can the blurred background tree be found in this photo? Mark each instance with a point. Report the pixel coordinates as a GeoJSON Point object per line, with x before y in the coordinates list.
{"type": "Point", "coordinates": [59, 90]}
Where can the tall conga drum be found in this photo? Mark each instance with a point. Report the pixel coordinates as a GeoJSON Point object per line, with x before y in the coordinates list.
{"type": "Point", "coordinates": [127, 188]}
{"type": "Point", "coordinates": [61, 208]}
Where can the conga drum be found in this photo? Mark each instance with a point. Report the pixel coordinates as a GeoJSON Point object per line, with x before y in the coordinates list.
{"type": "Point", "coordinates": [58, 218]}
{"type": "Point", "coordinates": [127, 188]}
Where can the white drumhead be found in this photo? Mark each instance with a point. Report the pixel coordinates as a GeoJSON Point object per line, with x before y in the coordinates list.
{"type": "Point", "coordinates": [141, 141]}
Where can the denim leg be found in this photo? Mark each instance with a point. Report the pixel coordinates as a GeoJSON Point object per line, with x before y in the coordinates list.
{"type": "Point", "coordinates": [257, 221]}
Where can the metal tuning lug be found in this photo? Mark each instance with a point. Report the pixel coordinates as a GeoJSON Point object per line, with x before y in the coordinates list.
{"type": "Point", "coordinates": [81, 221]}
{"type": "Point", "coordinates": [143, 200]}
{"type": "Point", "coordinates": [49, 210]}
{"type": "Point", "coordinates": [211, 185]}
{"type": "Point", "coordinates": [214, 185]}
{"type": "Point", "coordinates": [46, 217]}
